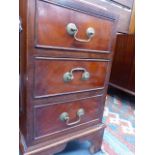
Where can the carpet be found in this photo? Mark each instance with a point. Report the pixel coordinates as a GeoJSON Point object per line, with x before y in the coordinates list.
{"type": "Point", "coordinates": [119, 136]}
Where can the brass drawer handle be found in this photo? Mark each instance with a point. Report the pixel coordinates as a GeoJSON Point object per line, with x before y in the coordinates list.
{"type": "Point", "coordinates": [65, 117]}
{"type": "Point", "coordinates": [73, 30]}
{"type": "Point", "coordinates": [68, 76]}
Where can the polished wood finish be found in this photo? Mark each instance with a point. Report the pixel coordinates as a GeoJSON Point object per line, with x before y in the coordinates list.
{"type": "Point", "coordinates": [123, 68]}
{"type": "Point", "coordinates": [52, 146]}
{"type": "Point", "coordinates": [22, 68]}
{"type": "Point", "coordinates": [47, 118]}
{"type": "Point", "coordinates": [46, 53]}
{"type": "Point", "coordinates": [51, 32]}
{"type": "Point", "coordinates": [123, 71]}
{"type": "Point", "coordinates": [49, 72]}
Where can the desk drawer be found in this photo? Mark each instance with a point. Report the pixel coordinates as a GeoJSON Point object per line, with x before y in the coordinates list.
{"type": "Point", "coordinates": [50, 119]}
{"type": "Point", "coordinates": [52, 29]}
{"type": "Point", "coordinates": [59, 76]}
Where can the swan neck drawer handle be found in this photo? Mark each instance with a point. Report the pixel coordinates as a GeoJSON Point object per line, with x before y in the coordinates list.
{"type": "Point", "coordinates": [64, 117]}
{"type": "Point", "coordinates": [68, 76]}
{"type": "Point", "coordinates": [73, 30]}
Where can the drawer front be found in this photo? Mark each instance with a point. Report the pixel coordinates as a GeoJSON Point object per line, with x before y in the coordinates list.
{"type": "Point", "coordinates": [59, 76]}
{"type": "Point", "coordinates": [52, 32]}
{"type": "Point", "coordinates": [50, 120]}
